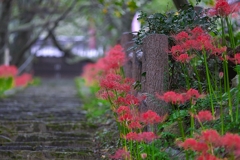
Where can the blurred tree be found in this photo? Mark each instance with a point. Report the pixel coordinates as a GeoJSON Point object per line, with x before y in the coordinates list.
{"type": "Point", "coordinates": [5, 12]}
{"type": "Point", "coordinates": [180, 4]}
{"type": "Point", "coordinates": [24, 21]}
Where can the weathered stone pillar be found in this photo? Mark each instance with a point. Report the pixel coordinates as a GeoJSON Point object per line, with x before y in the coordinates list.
{"type": "Point", "coordinates": [126, 43]}
{"type": "Point", "coordinates": [155, 64]}
{"type": "Point", "coordinates": [137, 68]}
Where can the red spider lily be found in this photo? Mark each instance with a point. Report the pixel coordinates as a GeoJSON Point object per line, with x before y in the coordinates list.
{"type": "Point", "coordinates": [105, 94]}
{"type": "Point", "coordinates": [211, 136]}
{"type": "Point", "coordinates": [144, 155]}
{"type": "Point", "coordinates": [151, 117]}
{"type": "Point", "coordinates": [147, 137]}
{"type": "Point", "coordinates": [210, 139]}
{"type": "Point", "coordinates": [192, 93]}
{"type": "Point", "coordinates": [183, 58]}
{"type": "Point", "coordinates": [128, 100]}
{"type": "Point", "coordinates": [177, 50]}
{"type": "Point", "coordinates": [192, 44]}
{"type": "Point", "coordinates": [90, 71]}
{"type": "Point", "coordinates": [206, 41]}
{"type": "Point", "coordinates": [8, 71]}
{"type": "Point", "coordinates": [231, 141]}
{"type": "Point", "coordinates": [133, 136]}
{"type": "Point", "coordinates": [123, 110]}
{"type": "Point", "coordinates": [135, 125]}
{"type": "Point", "coordinates": [203, 116]}
{"type": "Point", "coordinates": [109, 85]}
{"type": "Point", "coordinates": [237, 153]}
{"type": "Point", "coordinates": [206, 156]}
{"type": "Point", "coordinates": [124, 88]}
{"type": "Point", "coordinates": [115, 58]}
{"type": "Point", "coordinates": [129, 81]}
{"type": "Point", "coordinates": [236, 58]}
{"type": "Point", "coordinates": [197, 31]}
{"type": "Point", "coordinates": [23, 80]}
{"type": "Point", "coordinates": [222, 8]}
{"type": "Point", "coordinates": [220, 75]}
{"type": "Point", "coordinates": [192, 144]}
{"type": "Point", "coordinates": [125, 117]}
{"type": "Point", "coordinates": [121, 154]}
{"type": "Point", "coordinates": [182, 36]}
{"type": "Point", "coordinates": [172, 97]}
{"type": "Point", "coordinates": [195, 40]}
{"type": "Point", "coordinates": [113, 77]}
{"type": "Point", "coordinates": [219, 51]}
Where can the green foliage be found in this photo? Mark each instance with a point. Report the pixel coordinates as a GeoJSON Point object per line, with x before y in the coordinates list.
{"type": "Point", "coordinates": [172, 23]}
{"type": "Point", "coordinates": [6, 83]}
{"type": "Point", "coordinates": [94, 107]}
{"type": "Point", "coordinates": [237, 38]}
{"type": "Point", "coordinates": [36, 81]}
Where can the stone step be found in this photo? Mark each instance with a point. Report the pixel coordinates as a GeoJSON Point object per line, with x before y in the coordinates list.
{"type": "Point", "coordinates": [30, 137]}
{"type": "Point", "coordinates": [68, 143]}
{"type": "Point", "coordinates": [45, 155]}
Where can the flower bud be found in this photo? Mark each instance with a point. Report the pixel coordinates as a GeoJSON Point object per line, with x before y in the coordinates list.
{"type": "Point", "coordinates": [220, 75]}
{"type": "Point", "coordinates": [144, 155]}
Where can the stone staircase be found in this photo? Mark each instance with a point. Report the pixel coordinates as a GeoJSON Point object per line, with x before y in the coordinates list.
{"type": "Point", "coordinates": [45, 123]}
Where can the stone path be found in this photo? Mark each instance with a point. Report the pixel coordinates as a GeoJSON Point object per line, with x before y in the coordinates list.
{"type": "Point", "coordinates": [45, 123]}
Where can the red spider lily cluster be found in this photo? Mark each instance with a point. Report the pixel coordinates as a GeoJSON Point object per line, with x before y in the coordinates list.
{"type": "Point", "coordinates": [203, 116]}
{"type": "Point", "coordinates": [235, 59]}
{"type": "Point", "coordinates": [146, 137]}
{"type": "Point", "coordinates": [209, 140]}
{"type": "Point", "coordinates": [194, 48]}
{"type": "Point", "coordinates": [23, 80]}
{"type": "Point", "coordinates": [117, 89]}
{"type": "Point", "coordinates": [179, 98]}
{"type": "Point", "coordinates": [11, 71]}
{"type": "Point", "coordinates": [195, 40]}
{"type": "Point", "coordinates": [121, 154]}
{"type": "Point", "coordinates": [223, 9]}
{"type": "Point", "coordinates": [8, 71]}
{"type": "Point", "coordinates": [113, 60]}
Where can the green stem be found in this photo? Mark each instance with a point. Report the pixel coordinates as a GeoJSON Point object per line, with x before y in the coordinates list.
{"type": "Point", "coordinates": [198, 78]}
{"type": "Point", "coordinates": [225, 77]}
{"type": "Point", "coordinates": [223, 34]}
{"type": "Point", "coordinates": [208, 81]}
{"type": "Point", "coordinates": [152, 148]}
{"type": "Point", "coordinates": [221, 109]}
{"type": "Point", "coordinates": [186, 75]}
{"type": "Point", "coordinates": [180, 124]}
{"type": "Point", "coordinates": [138, 157]}
{"type": "Point", "coordinates": [230, 32]}
{"type": "Point", "coordinates": [238, 97]}
{"type": "Point", "coordinates": [228, 91]}
{"type": "Point", "coordinates": [192, 122]}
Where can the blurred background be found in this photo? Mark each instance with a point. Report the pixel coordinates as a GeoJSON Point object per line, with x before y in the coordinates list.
{"type": "Point", "coordinates": [56, 38]}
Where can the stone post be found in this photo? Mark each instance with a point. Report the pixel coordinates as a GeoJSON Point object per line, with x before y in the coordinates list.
{"type": "Point", "coordinates": [126, 43]}
{"type": "Point", "coordinates": [155, 64]}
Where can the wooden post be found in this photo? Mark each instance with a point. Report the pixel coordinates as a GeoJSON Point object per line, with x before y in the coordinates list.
{"type": "Point", "coordinates": [126, 43]}
{"type": "Point", "coordinates": [155, 64]}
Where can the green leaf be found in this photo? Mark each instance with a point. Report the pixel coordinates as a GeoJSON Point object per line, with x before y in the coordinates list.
{"type": "Point", "coordinates": [179, 114]}
{"type": "Point", "coordinates": [144, 74]}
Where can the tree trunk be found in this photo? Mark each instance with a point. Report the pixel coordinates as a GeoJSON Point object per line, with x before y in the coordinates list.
{"type": "Point", "coordinates": [5, 14]}
{"type": "Point", "coordinates": [180, 4]}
